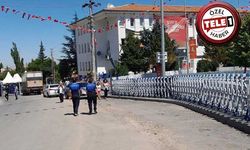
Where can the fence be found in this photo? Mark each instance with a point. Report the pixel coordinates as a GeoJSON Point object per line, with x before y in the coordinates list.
{"type": "Point", "coordinates": [227, 92]}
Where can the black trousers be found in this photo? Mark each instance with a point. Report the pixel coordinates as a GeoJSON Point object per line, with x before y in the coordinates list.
{"type": "Point", "coordinates": [91, 96]}
{"type": "Point", "coordinates": [76, 101]}
{"type": "Point", "coordinates": [16, 95]}
{"type": "Point", "coordinates": [61, 97]}
{"type": "Point", "coordinates": [7, 96]}
{"type": "Point", "coordinates": [106, 92]}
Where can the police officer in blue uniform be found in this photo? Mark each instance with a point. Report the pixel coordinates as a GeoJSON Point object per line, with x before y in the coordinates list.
{"type": "Point", "coordinates": [75, 92]}
{"type": "Point", "coordinates": [91, 95]}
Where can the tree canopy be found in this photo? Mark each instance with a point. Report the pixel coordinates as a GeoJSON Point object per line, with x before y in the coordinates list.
{"type": "Point", "coordinates": [41, 54]}
{"type": "Point", "coordinates": [140, 54]}
{"type": "Point", "coordinates": [68, 63]}
{"type": "Point", "coordinates": [18, 61]}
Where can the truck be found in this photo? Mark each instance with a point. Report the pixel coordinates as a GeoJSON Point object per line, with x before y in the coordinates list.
{"type": "Point", "coordinates": [32, 82]}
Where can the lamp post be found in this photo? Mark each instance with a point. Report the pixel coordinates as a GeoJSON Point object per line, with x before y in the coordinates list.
{"type": "Point", "coordinates": [162, 40]}
{"type": "Point", "coordinates": [187, 37]}
{"type": "Point", "coordinates": [92, 35]}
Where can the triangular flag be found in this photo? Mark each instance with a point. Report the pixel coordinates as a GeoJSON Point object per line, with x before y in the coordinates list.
{"type": "Point", "coordinates": [23, 15]}
{"type": "Point", "coordinates": [29, 16]}
{"type": "Point", "coordinates": [7, 10]}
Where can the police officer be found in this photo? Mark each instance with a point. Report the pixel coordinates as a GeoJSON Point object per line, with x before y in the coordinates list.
{"type": "Point", "coordinates": [75, 92]}
{"type": "Point", "coordinates": [91, 95]}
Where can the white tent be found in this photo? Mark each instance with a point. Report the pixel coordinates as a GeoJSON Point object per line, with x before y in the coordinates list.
{"type": "Point", "coordinates": [17, 78]}
{"type": "Point", "coordinates": [8, 79]}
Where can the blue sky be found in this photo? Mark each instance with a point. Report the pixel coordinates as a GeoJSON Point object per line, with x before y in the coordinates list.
{"type": "Point", "coordinates": [28, 34]}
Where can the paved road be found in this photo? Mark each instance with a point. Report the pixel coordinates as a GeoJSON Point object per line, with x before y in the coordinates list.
{"type": "Point", "coordinates": [37, 123]}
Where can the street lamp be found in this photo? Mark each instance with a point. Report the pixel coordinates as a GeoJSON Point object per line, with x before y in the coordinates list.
{"type": "Point", "coordinates": [93, 51]}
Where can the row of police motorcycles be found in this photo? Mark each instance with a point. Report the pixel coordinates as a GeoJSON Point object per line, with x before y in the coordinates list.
{"type": "Point", "coordinates": [226, 92]}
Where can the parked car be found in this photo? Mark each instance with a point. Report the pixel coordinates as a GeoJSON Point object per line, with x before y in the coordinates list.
{"type": "Point", "coordinates": [50, 90]}
{"type": "Point", "coordinates": [83, 92]}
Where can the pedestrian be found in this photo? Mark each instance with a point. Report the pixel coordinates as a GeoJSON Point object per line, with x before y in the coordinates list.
{"type": "Point", "coordinates": [7, 92]}
{"type": "Point", "coordinates": [105, 88]}
{"type": "Point", "coordinates": [98, 90]}
{"type": "Point", "coordinates": [16, 91]}
{"type": "Point", "coordinates": [91, 95]}
{"type": "Point", "coordinates": [75, 92]}
{"type": "Point", "coordinates": [61, 92]}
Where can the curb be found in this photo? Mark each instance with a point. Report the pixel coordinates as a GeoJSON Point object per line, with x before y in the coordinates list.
{"type": "Point", "coordinates": [224, 118]}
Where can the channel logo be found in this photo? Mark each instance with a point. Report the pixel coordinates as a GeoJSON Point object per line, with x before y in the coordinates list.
{"type": "Point", "coordinates": [218, 23]}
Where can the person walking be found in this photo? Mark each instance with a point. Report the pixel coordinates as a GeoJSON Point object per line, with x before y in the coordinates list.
{"type": "Point", "coordinates": [6, 92]}
{"type": "Point", "coordinates": [98, 90]}
{"type": "Point", "coordinates": [61, 92]}
{"type": "Point", "coordinates": [106, 88]}
{"type": "Point", "coordinates": [16, 92]}
{"type": "Point", "coordinates": [75, 92]}
{"type": "Point", "coordinates": [91, 95]}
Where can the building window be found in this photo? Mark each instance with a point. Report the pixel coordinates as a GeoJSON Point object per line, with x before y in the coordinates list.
{"type": "Point", "coordinates": [141, 21]}
{"type": "Point", "coordinates": [78, 49]}
{"type": "Point", "coordinates": [85, 50]}
{"type": "Point", "coordinates": [82, 49]}
{"type": "Point", "coordinates": [80, 66]}
{"type": "Point", "coordinates": [78, 33]}
{"type": "Point", "coordinates": [132, 22]}
{"type": "Point", "coordinates": [83, 68]}
{"type": "Point", "coordinates": [89, 66]}
{"type": "Point", "coordinates": [122, 22]}
{"type": "Point", "coordinates": [150, 21]}
{"type": "Point", "coordinates": [88, 47]}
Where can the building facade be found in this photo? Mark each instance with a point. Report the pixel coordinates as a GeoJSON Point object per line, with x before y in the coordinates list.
{"type": "Point", "coordinates": [114, 23]}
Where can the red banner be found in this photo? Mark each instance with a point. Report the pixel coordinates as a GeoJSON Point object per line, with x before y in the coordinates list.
{"type": "Point", "coordinates": [192, 48]}
{"type": "Point", "coordinates": [176, 29]}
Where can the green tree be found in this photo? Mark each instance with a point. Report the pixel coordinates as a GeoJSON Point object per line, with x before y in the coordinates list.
{"type": "Point", "coordinates": [240, 53]}
{"type": "Point", "coordinates": [206, 66]}
{"type": "Point", "coordinates": [45, 67]}
{"type": "Point", "coordinates": [133, 55]}
{"type": "Point", "coordinates": [68, 63]}
{"type": "Point", "coordinates": [41, 54]}
{"type": "Point", "coordinates": [151, 43]}
{"type": "Point", "coordinates": [1, 66]}
{"type": "Point", "coordinates": [17, 60]}
{"type": "Point", "coordinates": [218, 54]}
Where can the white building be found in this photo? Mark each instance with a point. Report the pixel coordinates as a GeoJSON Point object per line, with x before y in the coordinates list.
{"type": "Point", "coordinates": [113, 23]}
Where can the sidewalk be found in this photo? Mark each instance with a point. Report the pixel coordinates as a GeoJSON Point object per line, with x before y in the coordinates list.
{"type": "Point", "coordinates": [224, 118]}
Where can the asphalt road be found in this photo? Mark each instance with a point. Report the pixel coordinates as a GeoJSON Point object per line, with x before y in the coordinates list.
{"type": "Point", "coordinates": [37, 123]}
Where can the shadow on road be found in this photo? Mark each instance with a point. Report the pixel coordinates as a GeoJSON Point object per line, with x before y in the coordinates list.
{"type": "Point", "coordinates": [69, 114]}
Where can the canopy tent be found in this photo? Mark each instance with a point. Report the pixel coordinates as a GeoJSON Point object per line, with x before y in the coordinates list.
{"type": "Point", "coordinates": [17, 78]}
{"type": "Point", "coordinates": [8, 79]}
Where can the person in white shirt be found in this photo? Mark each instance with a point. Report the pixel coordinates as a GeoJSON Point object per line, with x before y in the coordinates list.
{"type": "Point", "coordinates": [98, 90]}
{"type": "Point", "coordinates": [61, 92]}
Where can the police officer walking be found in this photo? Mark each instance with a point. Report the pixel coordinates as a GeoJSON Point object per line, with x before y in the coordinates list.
{"type": "Point", "coordinates": [91, 95]}
{"type": "Point", "coordinates": [75, 92]}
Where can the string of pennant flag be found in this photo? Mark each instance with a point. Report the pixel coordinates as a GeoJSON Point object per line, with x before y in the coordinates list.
{"type": "Point", "coordinates": [29, 16]}
{"type": "Point", "coordinates": [84, 30]}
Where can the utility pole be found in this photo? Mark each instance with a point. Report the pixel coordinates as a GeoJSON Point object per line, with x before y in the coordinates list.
{"type": "Point", "coordinates": [162, 40]}
{"type": "Point", "coordinates": [187, 37]}
{"type": "Point", "coordinates": [52, 66]}
{"type": "Point", "coordinates": [92, 36]}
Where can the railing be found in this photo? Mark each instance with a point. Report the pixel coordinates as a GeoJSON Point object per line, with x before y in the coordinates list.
{"type": "Point", "coordinates": [227, 92]}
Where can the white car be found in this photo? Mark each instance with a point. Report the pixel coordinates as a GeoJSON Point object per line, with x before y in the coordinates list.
{"type": "Point", "coordinates": [50, 90]}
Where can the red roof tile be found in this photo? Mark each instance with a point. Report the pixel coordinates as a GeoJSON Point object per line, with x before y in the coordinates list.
{"type": "Point", "coordinates": [135, 7]}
